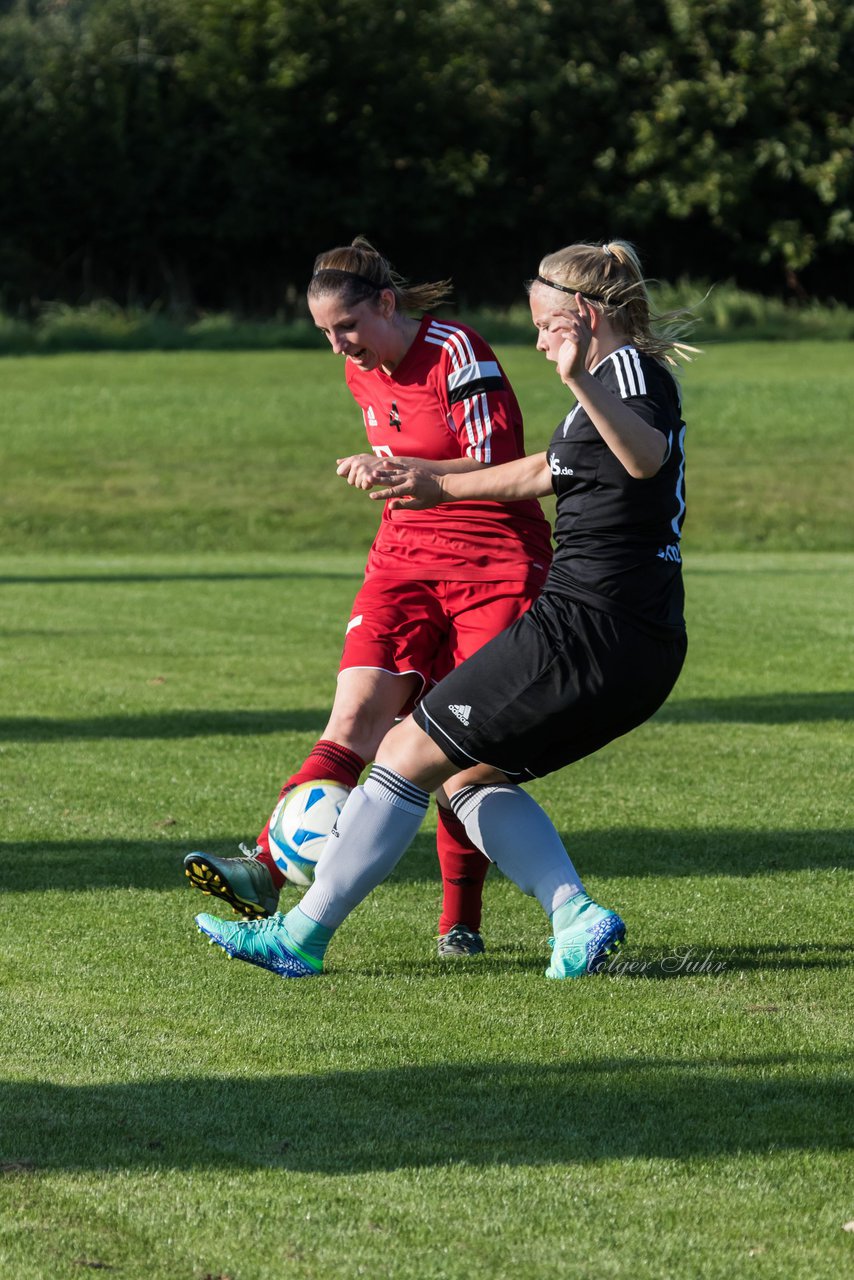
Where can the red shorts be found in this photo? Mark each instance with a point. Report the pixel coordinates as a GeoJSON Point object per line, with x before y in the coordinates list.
{"type": "Point", "coordinates": [428, 628]}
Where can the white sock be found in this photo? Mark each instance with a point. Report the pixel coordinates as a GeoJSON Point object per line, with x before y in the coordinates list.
{"type": "Point", "coordinates": [519, 837]}
{"type": "Point", "coordinates": [373, 831]}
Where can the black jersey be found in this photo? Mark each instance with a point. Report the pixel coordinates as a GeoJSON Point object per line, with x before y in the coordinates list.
{"type": "Point", "coordinates": [618, 537]}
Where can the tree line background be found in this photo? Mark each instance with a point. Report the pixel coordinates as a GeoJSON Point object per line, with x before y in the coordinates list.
{"type": "Point", "coordinates": [198, 153]}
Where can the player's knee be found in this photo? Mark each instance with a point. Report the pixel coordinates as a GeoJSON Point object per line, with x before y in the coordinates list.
{"type": "Point", "coordinates": [359, 729]}
{"type": "Point", "coordinates": [412, 753]}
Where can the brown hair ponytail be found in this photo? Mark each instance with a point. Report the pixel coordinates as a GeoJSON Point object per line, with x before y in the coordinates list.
{"type": "Point", "coordinates": [358, 271]}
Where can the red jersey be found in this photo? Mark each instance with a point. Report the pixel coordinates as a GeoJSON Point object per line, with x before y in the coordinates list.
{"type": "Point", "coordinates": [449, 398]}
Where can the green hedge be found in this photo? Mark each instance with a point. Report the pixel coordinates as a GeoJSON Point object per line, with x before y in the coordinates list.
{"type": "Point", "coordinates": [723, 313]}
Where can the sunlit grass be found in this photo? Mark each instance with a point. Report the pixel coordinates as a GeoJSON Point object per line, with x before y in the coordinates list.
{"type": "Point", "coordinates": [205, 452]}
{"type": "Point", "coordinates": [178, 563]}
{"type": "Point", "coordinates": [168, 1114]}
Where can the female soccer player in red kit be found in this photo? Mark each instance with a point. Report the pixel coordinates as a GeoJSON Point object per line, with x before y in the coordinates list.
{"type": "Point", "coordinates": [438, 583]}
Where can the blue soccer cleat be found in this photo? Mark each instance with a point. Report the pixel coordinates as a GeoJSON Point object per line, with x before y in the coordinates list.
{"type": "Point", "coordinates": [266, 943]}
{"type": "Point", "coordinates": [590, 935]}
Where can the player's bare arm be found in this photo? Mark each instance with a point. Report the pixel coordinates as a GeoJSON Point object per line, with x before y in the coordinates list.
{"type": "Point", "coordinates": [638, 446]}
{"type": "Point", "coordinates": [417, 488]}
{"type": "Point", "coordinates": [443, 466]}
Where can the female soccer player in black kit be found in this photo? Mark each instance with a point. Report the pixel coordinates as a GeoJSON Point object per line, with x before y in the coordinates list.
{"type": "Point", "coordinates": [595, 656]}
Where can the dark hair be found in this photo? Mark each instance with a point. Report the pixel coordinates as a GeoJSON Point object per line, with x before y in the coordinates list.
{"type": "Point", "coordinates": [358, 271]}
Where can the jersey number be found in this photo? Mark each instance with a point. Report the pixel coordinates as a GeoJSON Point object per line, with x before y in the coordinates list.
{"type": "Point", "coordinates": [382, 450]}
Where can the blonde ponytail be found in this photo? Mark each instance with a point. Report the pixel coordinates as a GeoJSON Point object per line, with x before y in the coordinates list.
{"type": "Point", "coordinates": [610, 277]}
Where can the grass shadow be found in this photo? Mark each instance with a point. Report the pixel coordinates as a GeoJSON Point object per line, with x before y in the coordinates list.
{"type": "Point", "coordinates": [651, 851]}
{"type": "Point", "coordinates": [770, 708]}
{"type": "Point", "coordinates": [163, 724]}
{"type": "Point", "coordinates": [80, 865]}
{"type": "Point", "coordinates": [429, 1117]}
{"type": "Point", "coordinates": [201, 722]}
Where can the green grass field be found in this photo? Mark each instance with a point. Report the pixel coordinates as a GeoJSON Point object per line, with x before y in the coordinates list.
{"type": "Point", "coordinates": [202, 451]}
{"type": "Point", "coordinates": [179, 560]}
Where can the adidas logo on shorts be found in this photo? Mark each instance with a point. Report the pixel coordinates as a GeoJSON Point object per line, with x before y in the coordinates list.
{"type": "Point", "coordinates": [462, 713]}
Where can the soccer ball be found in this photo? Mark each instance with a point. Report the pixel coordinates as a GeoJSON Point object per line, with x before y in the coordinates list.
{"type": "Point", "coordinates": [300, 824]}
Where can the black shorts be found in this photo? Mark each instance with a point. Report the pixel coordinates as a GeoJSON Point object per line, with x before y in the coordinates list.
{"type": "Point", "coordinates": [558, 684]}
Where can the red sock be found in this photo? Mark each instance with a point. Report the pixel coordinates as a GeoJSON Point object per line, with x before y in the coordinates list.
{"type": "Point", "coordinates": [464, 870]}
{"type": "Point", "coordinates": [326, 760]}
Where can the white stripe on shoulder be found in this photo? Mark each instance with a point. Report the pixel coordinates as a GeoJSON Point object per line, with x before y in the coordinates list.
{"type": "Point", "coordinates": [477, 421]}
{"type": "Point", "coordinates": [455, 341]}
{"type": "Point", "coordinates": [618, 370]}
{"type": "Point", "coordinates": [633, 355]}
{"type": "Point", "coordinates": [453, 331]}
{"type": "Point", "coordinates": [439, 340]}
{"type": "Point", "coordinates": [630, 376]}
{"type": "Point", "coordinates": [628, 371]}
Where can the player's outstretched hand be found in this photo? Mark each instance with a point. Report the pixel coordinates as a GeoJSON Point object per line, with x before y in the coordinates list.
{"type": "Point", "coordinates": [408, 486]}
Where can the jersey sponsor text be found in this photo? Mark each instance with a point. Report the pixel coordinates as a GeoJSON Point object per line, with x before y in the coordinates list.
{"type": "Point", "coordinates": [557, 469]}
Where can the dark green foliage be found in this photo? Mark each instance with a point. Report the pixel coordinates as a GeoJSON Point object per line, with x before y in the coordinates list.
{"type": "Point", "coordinates": [198, 153]}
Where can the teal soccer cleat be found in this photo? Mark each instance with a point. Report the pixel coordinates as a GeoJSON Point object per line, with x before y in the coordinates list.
{"type": "Point", "coordinates": [593, 933]}
{"type": "Point", "coordinates": [266, 943]}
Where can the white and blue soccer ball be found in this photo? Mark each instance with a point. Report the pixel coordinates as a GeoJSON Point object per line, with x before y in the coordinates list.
{"type": "Point", "coordinates": [300, 825]}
